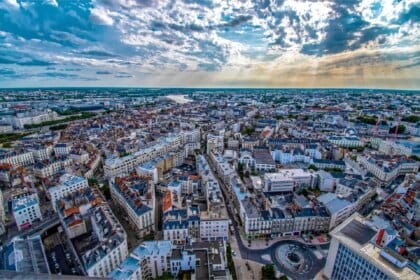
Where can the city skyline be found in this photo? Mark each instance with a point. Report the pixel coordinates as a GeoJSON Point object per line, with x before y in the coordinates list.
{"type": "Point", "coordinates": [280, 44]}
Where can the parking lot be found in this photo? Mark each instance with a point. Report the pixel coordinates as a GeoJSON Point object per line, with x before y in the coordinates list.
{"type": "Point", "coordinates": [61, 261]}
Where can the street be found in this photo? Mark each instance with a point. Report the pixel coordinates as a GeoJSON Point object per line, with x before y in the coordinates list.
{"type": "Point", "coordinates": [256, 254]}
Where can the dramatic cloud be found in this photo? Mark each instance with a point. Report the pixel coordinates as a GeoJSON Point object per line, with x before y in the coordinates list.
{"type": "Point", "coordinates": [210, 43]}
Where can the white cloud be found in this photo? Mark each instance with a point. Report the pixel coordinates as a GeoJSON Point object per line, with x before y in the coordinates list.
{"type": "Point", "coordinates": [51, 2]}
{"type": "Point", "coordinates": [12, 3]}
{"type": "Point", "coordinates": [101, 16]}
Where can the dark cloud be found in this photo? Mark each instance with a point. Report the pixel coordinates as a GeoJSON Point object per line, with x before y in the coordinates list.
{"type": "Point", "coordinates": [7, 71]}
{"type": "Point", "coordinates": [237, 21]}
{"type": "Point", "coordinates": [411, 65]}
{"type": "Point", "coordinates": [18, 58]}
{"type": "Point", "coordinates": [377, 58]}
{"type": "Point", "coordinates": [97, 53]}
{"type": "Point", "coordinates": [210, 67]}
{"type": "Point", "coordinates": [123, 76]}
{"type": "Point", "coordinates": [103, 72]}
{"type": "Point", "coordinates": [71, 69]}
{"type": "Point", "coordinates": [348, 31]}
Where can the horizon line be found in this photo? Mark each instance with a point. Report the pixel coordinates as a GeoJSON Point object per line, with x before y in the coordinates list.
{"type": "Point", "coordinates": [204, 87]}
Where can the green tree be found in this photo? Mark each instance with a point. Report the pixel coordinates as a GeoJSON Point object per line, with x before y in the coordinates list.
{"type": "Point", "coordinates": [231, 264]}
{"type": "Point", "coordinates": [416, 158]}
{"type": "Point", "coordinates": [401, 129]}
{"type": "Point", "coordinates": [313, 167]}
{"type": "Point", "coordinates": [411, 118]}
{"type": "Point", "coordinates": [165, 276]}
{"type": "Point", "coordinates": [105, 190]}
{"type": "Point", "coordinates": [268, 272]}
{"type": "Point", "coordinates": [7, 145]}
{"type": "Point", "coordinates": [92, 182]}
{"type": "Point", "coordinates": [240, 170]}
{"type": "Point", "coordinates": [247, 130]}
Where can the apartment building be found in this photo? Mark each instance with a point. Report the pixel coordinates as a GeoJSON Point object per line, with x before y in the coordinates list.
{"type": "Point", "coordinates": [386, 168]}
{"type": "Point", "coordinates": [68, 183]}
{"type": "Point", "coordinates": [26, 210]}
{"type": "Point", "coordinates": [87, 220]}
{"type": "Point", "coordinates": [346, 141]}
{"type": "Point", "coordinates": [137, 197]}
{"type": "Point", "coordinates": [16, 158]}
{"type": "Point", "coordinates": [124, 165]}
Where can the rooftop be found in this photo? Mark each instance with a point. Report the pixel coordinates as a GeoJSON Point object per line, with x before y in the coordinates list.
{"type": "Point", "coordinates": [26, 255]}
{"type": "Point", "coordinates": [355, 234]}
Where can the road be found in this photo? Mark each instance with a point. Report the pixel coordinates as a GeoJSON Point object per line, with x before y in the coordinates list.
{"type": "Point", "coordinates": [256, 254]}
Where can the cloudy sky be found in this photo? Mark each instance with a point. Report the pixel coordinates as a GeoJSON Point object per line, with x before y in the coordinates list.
{"type": "Point", "coordinates": [205, 43]}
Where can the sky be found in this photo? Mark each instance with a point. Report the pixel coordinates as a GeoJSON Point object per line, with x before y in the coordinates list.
{"type": "Point", "coordinates": [204, 43]}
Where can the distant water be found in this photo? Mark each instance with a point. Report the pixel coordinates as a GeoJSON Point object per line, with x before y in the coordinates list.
{"type": "Point", "coordinates": [175, 91]}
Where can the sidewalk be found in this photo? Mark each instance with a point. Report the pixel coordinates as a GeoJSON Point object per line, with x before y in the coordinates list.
{"type": "Point", "coordinates": [258, 244]}
{"type": "Point", "coordinates": [242, 271]}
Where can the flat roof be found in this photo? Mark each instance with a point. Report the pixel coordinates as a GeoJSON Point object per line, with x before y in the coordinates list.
{"type": "Point", "coordinates": [351, 234]}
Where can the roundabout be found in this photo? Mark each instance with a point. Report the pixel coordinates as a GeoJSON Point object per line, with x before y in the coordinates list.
{"type": "Point", "coordinates": [292, 258]}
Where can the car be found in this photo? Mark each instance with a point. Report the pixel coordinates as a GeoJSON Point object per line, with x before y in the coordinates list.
{"type": "Point", "coordinates": [233, 253]}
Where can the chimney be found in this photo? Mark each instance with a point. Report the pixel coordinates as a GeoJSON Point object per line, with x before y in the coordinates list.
{"type": "Point", "coordinates": [380, 237]}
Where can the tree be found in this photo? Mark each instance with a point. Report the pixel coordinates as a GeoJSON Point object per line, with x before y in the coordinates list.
{"type": "Point", "coordinates": [231, 264]}
{"type": "Point", "coordinates": [268, 272]}
{"type": "Point", "coordinates": [368, 119]}
{"type": "Point", "coordinates": [284, 277]}
{"type": "Point", "coordinates": [411, 118]}
{"type": "Point", "coordinates": [416, 158]}
{"type": "Point", "coordinates": [313, 167]}
{"type": "Point", "coordinates": [105, 190]}
{"type": "Point", "coordinates": [401, 129]}
{"type": "Point", "coordinates": [7, 145]}
{"type": "Point", "coordinates": [240, 170]}
{"type": "Point", "coordinates": [304, 192]}
{"type": "Point", "coordinates": [165, 276]}
{"type": "Point", "coordinates": [248, 131]}
{"type": "Point", "coordinates": [92, 182]}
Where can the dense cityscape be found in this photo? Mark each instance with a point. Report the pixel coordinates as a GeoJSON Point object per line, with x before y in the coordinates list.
{"type": "Point", "coordinates": [182, 183]}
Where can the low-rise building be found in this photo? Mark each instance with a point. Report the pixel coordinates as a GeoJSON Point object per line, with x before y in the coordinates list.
{"type": "Point", "coordinates": [263, 160]}
{"type": "Point", "coordinates": [289, 180]}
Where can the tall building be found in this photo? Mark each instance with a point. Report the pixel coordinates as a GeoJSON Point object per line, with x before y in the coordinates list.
{"type": "Point", "coordinates": [354, 255]}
